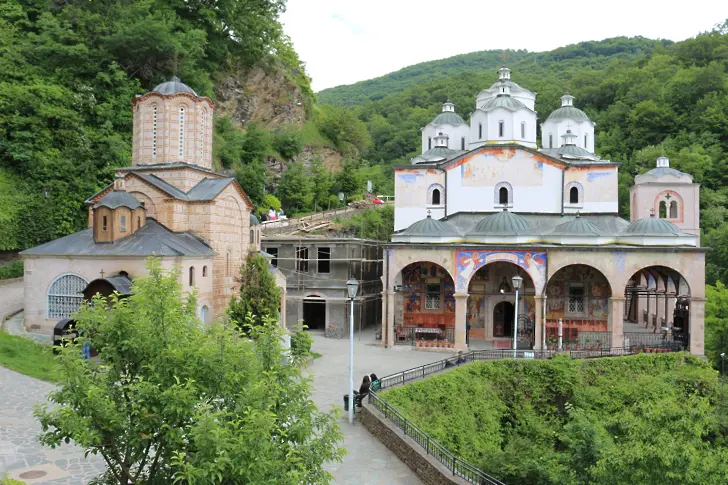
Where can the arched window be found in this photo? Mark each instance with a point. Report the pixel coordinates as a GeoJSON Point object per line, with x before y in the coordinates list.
{"type": "Point", "coordinates": [551, 140]}
{"type": "Point", "coordinates": [573, 195]}
{"type": "Point", "coordinates": [204, 271]}
{"type": "Point", "coordinates": [480, 131]}
{"type": "Point", "coordinates": [435, 194]}
{"type": "Point", "coordinates": [154, 132]}
{"type": "Point", "coordinates": [523, 130]}
{"type": "Point", "coordinates": [503, 195]}
{"type": "Point", "coordinates": [192, 276]}
{"type": "Point", "coordinates": [429, 142]}
{"type": "Point", "coordinates": [663, 210]}
{"type": "Point", "coordinates": [203, 314]}
{"type": "Point", "coordinates": [181, 132]}
{"type": "Point", "coordinates": [673, 209]}
{"type": "Point", "coordinates": [64, 296]}
{"type": "Point", "coordinates": [436, 197]}
{"type": "Point", "coordinates": [501, 128]}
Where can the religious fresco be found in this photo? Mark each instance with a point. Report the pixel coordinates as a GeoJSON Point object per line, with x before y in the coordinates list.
{"type": "Point", "coordinates": [476, 311]}
{"type": "Point", "coordinates": [529, 307]}
{"type": "Point", "coordinates": [596, 293]}
{"type": "Point", "coordinates": [483, 170]}
{"type": "Point", "coordinates": [415, 277]}
{"type": "Point", "coordinates": [470, 261]}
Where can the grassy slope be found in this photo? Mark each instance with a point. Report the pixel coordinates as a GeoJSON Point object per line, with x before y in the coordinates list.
{"type": "Point", "coordinates": [27, 357]}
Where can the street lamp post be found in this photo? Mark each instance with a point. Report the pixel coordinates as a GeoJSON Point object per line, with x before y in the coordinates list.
{"type": "Point", "coordinates": [351, 286]}
{"type": "Point", "coordinates": [517, 280]}
{"type": "Point", "coordinates": [722, 364]}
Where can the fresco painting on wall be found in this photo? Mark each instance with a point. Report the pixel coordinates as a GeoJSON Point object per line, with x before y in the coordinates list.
{"type": "Point", "coordinates": [482, 170]}
{"type": "Point", "coordinates": [415, 278]}
{"type": "Point", "coordinates": [469, 261]}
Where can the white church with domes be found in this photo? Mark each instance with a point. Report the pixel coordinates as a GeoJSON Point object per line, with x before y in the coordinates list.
{"type": "Point", "coordinates": [484, 209]}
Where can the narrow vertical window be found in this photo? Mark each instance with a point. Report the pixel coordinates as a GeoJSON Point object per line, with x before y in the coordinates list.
{"type": "Point", "coordinates": [436, 197]}
{"type": "Point", "coordinates": [104, 224]}
{"type": "Point", "coordinates": [139, 223]}
{"type": "Point", "coordinates": [203, 122]}
{"type": "Point", "coordinates": [523, 130]}
{"type": "Point", "coordinates": [123, 223]}
{"type": "Point", "coordinates": [586, 138]}
{"type": "Point", "coordinates": [663, 210]}
{"type": "Point", "coordinates": [501, 127]}
{"type": "Point", "coordinates": [551, 140]}
{"type": "Point", "coordinates": [429, 142]}
{"type": "Point", "coordinates": [480, 131]}
{"type": "Point", "coordinates": [154, 132]}
{"type": "Point", "coordinates": [192, 276]}
{"type": "Point", "coordinates": [204, 271]}
{"type": "Point", "coordinates": [324, 260]}
{"type": "Point", "coordinates": [503, 195]}
{"type": "Point", "coordinates": [181, 133]}
{"type": "Point", "coordinates": [302, 259]}
{"type": "Point", "coordinates": [462, 143]}
{"type": "Point", "coordinates": [573, 195]}
{"type": "Point", "coordinates": [673, 210]}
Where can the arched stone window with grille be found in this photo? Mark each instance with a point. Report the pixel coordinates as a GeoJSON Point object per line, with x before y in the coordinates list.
{"type": "Point", "coordinates": [65, 295]}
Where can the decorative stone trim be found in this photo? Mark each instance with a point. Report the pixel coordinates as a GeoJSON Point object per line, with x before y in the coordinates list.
{"type": "Point", "coordinates": [496, 193]}
{"type": "Point", "coordinates": [567, 194]}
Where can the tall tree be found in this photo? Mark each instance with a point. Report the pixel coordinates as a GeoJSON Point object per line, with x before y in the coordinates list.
{"type": "Point", "coordinates": [169, 401]}
{"type": "Point", "coordinates": [259, 296]}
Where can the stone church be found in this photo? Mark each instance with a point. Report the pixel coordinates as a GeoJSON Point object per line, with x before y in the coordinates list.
{"type": "Point", "coordinates": [169, 203]}
{"type": "Point", "coordinates": [484, 205]}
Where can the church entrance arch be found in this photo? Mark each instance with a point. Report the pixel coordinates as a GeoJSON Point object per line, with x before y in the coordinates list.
{"type": "Point", "coordinates": [424, 304]}
{"type": "Point", "coordinates": [657, 309]}
{"type": "Point", "coordinates": [491, 303]}
{"type": "Point", "coordinates": [578, 295]}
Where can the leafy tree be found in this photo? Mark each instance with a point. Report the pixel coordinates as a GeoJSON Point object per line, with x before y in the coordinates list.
{"type": "Point", "coordinates": [172, 402]}
{"type": "Point", "coordinates": [343, 128]}
{"type": "Point", "coordinates": [288, 143]}
{"type": "Point", "coordinates": [253, 178]}
{"type": "Point", "coordinates": [716, 322]}
{"type": "Point", "coordinates": [323, 182]}
{"type": "Point", "coordinates": [270, 201]}
{"type": "Point", "coordinates": [259, 296]}
{"type": "Point", "coordinates": [295, 189]}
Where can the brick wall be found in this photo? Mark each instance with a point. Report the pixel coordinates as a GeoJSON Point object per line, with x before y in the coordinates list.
{"type": "Point", "coordinates": [427, 469]}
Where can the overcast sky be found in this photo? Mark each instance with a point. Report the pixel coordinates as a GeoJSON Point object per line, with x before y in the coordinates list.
{"type": "Point", "coordinates": [344, 41]}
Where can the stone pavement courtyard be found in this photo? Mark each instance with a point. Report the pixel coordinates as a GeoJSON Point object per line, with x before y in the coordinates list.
{"type": "Point", "coordinates": [368, 461]}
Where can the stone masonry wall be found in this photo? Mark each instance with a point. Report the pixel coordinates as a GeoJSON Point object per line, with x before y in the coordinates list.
{"type": "Point", "coordinates": [427, 469]}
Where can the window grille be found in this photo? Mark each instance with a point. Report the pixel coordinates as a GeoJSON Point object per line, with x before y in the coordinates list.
{"type": "Point", "coordinates": [432, 297]}
{"type": "Point", "coordinates": [65, 296]}
{"type": "Point", "coordinates": [576, 299]}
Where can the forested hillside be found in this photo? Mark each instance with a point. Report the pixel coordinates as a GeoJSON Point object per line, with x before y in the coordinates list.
{"type": "Point", "coordinates": [484, 62]}
{"type": "Point", "coordinates": [68, 71]}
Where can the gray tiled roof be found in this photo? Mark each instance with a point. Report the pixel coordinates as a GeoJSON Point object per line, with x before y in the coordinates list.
{"type": "Point", "coordinates": [505, 102]}
{"type": "Point", "coordinates": [660, 171]}
{"type": "Point", "coordinates": [578, 226]}
{"type": "Point", "coordinates": [162, 185]}
{"type": "Point", "coordinates": [208, 189]}
{"type": "Point", "coordinates": [448, 118]}
{"type": "Point", "coordinates": [502, 223]}
{"type": "Point", "coordinates": [653, 225]}
{"type": "Point", "coordinates": [541, 224]}
{"type": "Point", "coordinates": [568, 113]}
{"type": "Point", "coordinates": [430, 227]}
{"type": "Point", "coordinates": [152, 239]}
{"type": "Point", "coordinates": [115, 199]}
{"type": "Point", "coordinates": [174, 85]}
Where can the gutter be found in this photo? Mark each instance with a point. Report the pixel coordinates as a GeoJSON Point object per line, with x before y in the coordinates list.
{"type": "Point", "coordinates": [563, 179]}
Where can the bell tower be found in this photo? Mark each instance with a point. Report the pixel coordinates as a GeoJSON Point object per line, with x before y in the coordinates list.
{"type": "Point", "coordinates": [172, 124]}
{"type": "Point", "coordinates": [668, 194]}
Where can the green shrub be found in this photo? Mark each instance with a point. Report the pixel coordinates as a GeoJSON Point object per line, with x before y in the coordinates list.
{"type": "Point", "coordinates": [288, 143]}
{"type": "Point", "coordinates": [301, 342]}
{"type": "Point", "coordinates": [10, 481]}
{"type": "Point", "coordinates": [12, 270]}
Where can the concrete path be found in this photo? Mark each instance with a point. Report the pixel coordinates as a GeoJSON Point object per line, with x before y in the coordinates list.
{"type": "Point", "coordinates": [11, 298]}
{"type": "Point", "coordinates": [368, 462]}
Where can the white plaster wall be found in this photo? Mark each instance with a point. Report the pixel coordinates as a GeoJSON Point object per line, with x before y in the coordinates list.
{"type": "Point", "coordinates": [559, 128]}
{"type": "Point", "coordinates": [600, 186]}
{"type": "Point", "coordinates": [410, 188]}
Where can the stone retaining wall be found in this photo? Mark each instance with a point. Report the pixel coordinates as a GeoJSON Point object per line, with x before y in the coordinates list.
{"type": "Point", "coordinates": [427, 468]}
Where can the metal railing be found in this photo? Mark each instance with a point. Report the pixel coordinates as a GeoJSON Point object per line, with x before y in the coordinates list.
{"type": "Point", "coordinates": [424, 337]}
{"type": "Point", "coordinates": [646, 342]}
{"type": "Point", "coordinates": [455, 465]}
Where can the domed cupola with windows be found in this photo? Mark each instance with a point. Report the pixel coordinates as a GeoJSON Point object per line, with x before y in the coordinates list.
{"type": "Point", "coordinates": [172, 124]}
{"type": "Point", "coordinates": [118, 214]}
{"type": "Point", "coordinates": [568, 118]}
{"type": "Point", "coordinates": [502, 117]}
{"type": "Point", "coordinates": [450, 123]}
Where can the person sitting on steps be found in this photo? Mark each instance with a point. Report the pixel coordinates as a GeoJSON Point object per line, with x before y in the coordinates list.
{"type": "Point", "coordinates": [363, 390]}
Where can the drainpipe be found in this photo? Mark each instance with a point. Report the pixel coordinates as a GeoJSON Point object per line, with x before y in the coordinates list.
{"type": "Point", "coordinates": [446, 191]}
{"type": "Point", "coordinates": [563, 179]}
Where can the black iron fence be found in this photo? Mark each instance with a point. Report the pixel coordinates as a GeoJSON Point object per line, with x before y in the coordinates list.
{"type": "Point", "coordinates": [455, 465]}
{"type": "Point", "coordinates": [425, 337]}
{"type": "Point", "coordinates": [660, 342]}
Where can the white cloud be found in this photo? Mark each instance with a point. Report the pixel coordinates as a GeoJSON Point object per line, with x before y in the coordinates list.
{"type": "Point", "coordinates": [346, 41]}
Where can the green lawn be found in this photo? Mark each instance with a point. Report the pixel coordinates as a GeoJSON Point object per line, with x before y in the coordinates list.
{"type": "Point", "coordinates": [27, 357]}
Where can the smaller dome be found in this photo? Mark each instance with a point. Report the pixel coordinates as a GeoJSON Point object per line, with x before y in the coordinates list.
{"type": "Point", "coordinates": [448, 118]}
{"type": "Point", "coordinates": [652, 225]}
{"type": "Point", "coordinates": [174, 85]}
{"type": "Point", "coordinates": [579, 226]}
{"type": "Point", "coordinates": [254, 220]}
{"type": "Point", "coordinates": [573, 152]}
{"type": "Point", "coordinates": [568, 113]}
{"type": "Point", "coordinates": [505, 102]}
{"type": "Point", "coordinates": [502, 223]}
{"type": "Point", "coordinates": [115, 199]}
{"type": "Point", "coordinates": [436, 154]}
{"type": "Point", "coordinates": [430, 227]}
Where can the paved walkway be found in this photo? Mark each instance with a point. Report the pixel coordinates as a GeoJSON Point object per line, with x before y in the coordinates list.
{"type": "Point", "coordinates": [11, 297]}
{"type": "Point", "coordinates": [368, 462]}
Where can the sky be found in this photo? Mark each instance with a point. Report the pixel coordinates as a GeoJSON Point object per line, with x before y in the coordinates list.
{"type": "Point", "coordinates": [345, 41]}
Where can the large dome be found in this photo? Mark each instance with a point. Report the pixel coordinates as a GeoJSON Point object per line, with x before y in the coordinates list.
{"type": "Point", "coordinates": [502, 223]}
{"type": "Point", "coordinates": [174, 85]}
{"type": "Point", "coordinates": [568, 113]}
{"type": "Point", "coordinates": [505, 102]}
{"type": "Point", "coordinates": [652, 225]}
{"type": "Point", "coordinates": [430, 227]}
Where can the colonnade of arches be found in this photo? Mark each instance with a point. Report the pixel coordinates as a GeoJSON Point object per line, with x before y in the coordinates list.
{"type": "Point", "coordinates": [591, 310]}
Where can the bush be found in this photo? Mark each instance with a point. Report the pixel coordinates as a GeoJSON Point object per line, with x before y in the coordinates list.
{"type": "Point", "coordinates": [301, 342]}
{"type": "Point", "coordinates": [10, 481]}
{"type": "Point", "coordinates": [12, 270]}
{"type": "Point", "coordinates": [288, 143]}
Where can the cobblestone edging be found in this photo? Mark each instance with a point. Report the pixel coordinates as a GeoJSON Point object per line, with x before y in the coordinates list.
{"type": "Point", "coordinates": [427, 469]}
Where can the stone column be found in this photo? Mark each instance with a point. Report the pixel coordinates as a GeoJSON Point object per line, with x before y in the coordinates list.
{"type": "Point", "coordinates": [461, 315]}
{"type": "Point", "coordinates": [538, 322]}
{"type": "Point", "coordinates": [616, 320]}
{"type": "Point", "coordinates": [697, 326]}
{"type": "Point", "coordinates": [388, 320]}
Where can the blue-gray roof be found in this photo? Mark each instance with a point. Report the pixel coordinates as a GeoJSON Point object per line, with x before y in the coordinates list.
{"type": "Point", "coordinates": [505, 102]}
{"type": "Point", "coordinates": [653, 226]}
{"type": "Point", "coordinates": [174, 85]}
{"type": "Point", "coordinates": [162, 185]}
{"type": "Point", "coordinates": [574, 152]}
{"type": "Point", "coordinates": [115, 199]}
{"type": "Point", "coordinates": [579, 226]}
{"type": "Point", "coordinates": [208, 189]}
{"type": "Point", "coordinates": [152, 239]}
{"type": "Point", "coordinates": [660, 171]}
{"type": "Point", "coordinates": [254, 220]}
{"type": "Point", "coordinates": [430, 227]}
{"type": "Point", "coordinates": [568, 113]}
{"type": "Point", "coordinates": [448, 118]}
{"type": "Point", "coordinates": [502, 223]}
